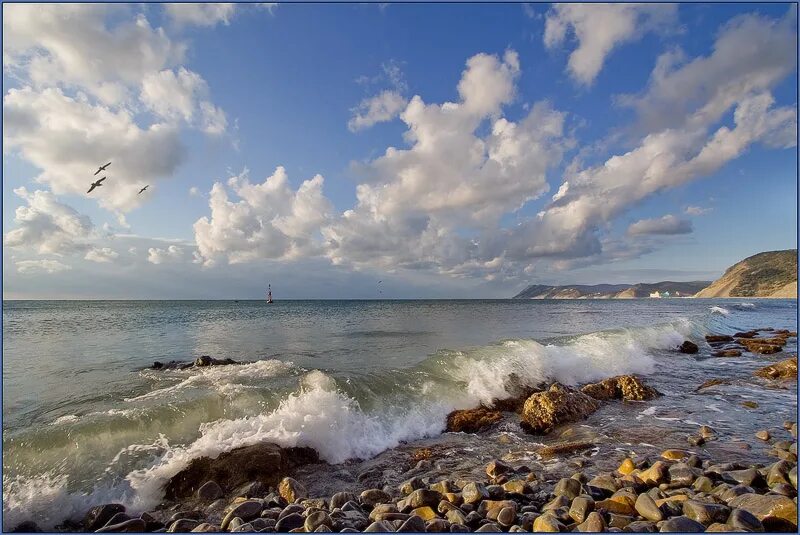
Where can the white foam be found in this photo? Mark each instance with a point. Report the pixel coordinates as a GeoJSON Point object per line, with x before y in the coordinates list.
{"type": "Point", "coordinates": [719, 310]}
{"type": "Point", "coordinates": [225, 380]}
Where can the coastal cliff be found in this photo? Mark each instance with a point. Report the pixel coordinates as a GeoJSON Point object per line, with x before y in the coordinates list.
{"type": "Point", "coordinates": [768, 274]}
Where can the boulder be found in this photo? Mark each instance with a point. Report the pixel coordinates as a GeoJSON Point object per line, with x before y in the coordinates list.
{"type": "Point", "coordinates": [717, 338]}
{"type": "Point", "coordinates": [98, 516]}
{"type": "Point", "coordinates": [264, 462]}
{"type": "Point", "coordinates": [777, 513]}
{"type": "Point", "coordinates": [472, 420]}
{"type": "Point", "coordinates": [205, 360]}
{"type": "Point", "coordinates": [292, 490]}
{"type": "Point", "coordinates": [558, 404]}
{"type": "Point", "coordinates": [785, 369]}
{"type": "Point", "coordinates": [625, 387]}
{"type": "Point", "coordinates": [690, 348]}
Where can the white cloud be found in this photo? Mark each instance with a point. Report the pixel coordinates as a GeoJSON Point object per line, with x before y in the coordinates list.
{"type": "Point", "coordinates": [667, 225]}
{"type": "Point", "coordinates": [68, 138]}
{"type": "Point", "coordinates": [72, 44]}
{"type": "Point", "coordinates": [197, 14]}
{"type": "Point", "coordinates": [383, 107]}
{"type": "Point", "coordinates": [696, 210]}
{"type": "Point", "coordinates": [47, 225]}
{"type": "Point", "coordinates": [102, 255]}
{"type": "Point", "coordinates": [269, 221]}
{"type": "Point", "coordinates": [193, 191]}
{"type": "Point", "coordinates": [170, 254]}
{"type": "Point", "coordinates": [599, 28]}
{"type": "Point", "coordinates": [182, 95]}
{"type": "Point", "coordinates": [41, 266]}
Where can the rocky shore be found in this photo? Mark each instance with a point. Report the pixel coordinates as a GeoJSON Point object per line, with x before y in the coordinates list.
{"type": "Point", "coordinates": [262, 487]}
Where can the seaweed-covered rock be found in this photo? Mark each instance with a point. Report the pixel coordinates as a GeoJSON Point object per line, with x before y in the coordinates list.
{"type": "Point", "coordinates": [472, 420]}
{"type": "Point", "coordinates": [785, 369]}
{"type": "Point", "coordinates": [626, 387]}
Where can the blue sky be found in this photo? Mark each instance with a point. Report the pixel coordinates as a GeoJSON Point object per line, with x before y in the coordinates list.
{"type": "Point", "coordinates": [227, 88]}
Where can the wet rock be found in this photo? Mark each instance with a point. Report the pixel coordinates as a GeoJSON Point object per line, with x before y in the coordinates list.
{"type": "Point", "coordinates": [564, 448]}
{"type": "Point", "coordinates": [205, 527]}
{"type": "Point", "coordinates": [681, 524]}
{"type": "Point", "coordinates": [182, 525]}
{"type": "Point", "coordinates": [210, 491]}
{"type": "Point", "coordinates": [741, 519]}
{"type": "Point", "coordinates": [727, 353]}
{"type": "Point", "coordinates": [792, 475]}
{"type": "Point", "coordinates": [594, 523]}
{"type": "Point", "coordinates": [133, 525]}
{"type": "Point", "coordinates": [558, 404]}
{"type": "Point", "coordinates": [749, 477]}
{"type": "Point", "coordinates": [488, 528]}
{"type": "Point", "coordinates": [472, 420]}
{"type": "Point", "coordinates": [341, 498]}
{"type": "Point", "coordinates": [376, 527]}
{"type": "Point", "coordinates": [624, 387]}
{"type": "Point", "coordinates": [547, 523]}
{"type": "Point", "coordinates": [567, 487]}
{"type": "Point", "coordinates": [777, 513]}
{"type": "Point", "coordinates": [713, 382]}
{"type": "Point", "coordinates": [785, 369]}
{"type": "Point", "coordinates": [425, 513]}
{"type": "Point", "coordinates": [437, 525]}
{"type": "Point", "coordinates": [424, 497]}
{"type": "Point", "coordinates": [762, 347]}
{"type": "Point", "coordinates": [506, 516]}
{"type": "Point", "coordinates": [317, 519]}
{"type": "Point", "coordinates": [262, 462]}
{"type": "Point", "coordinates": [288, 523]}
{"type": "Point", "coordinates": [674, 455]}
{"type": "Point", "coordinates": [291, 490]}
{"type": "Point", "coordinates": [703, 484]}
{"type": "Point", "coordinates": [409, 486]}
{"type": "Point", "coordinates": [695, 440]}
{"type": "Point", "coordinates": [626, 467]}
{"type": "Point", "coordinates": [647, 508]}
{"type": "Point", "coordinates": [580, 508]}
{"type": "Point", "coordinates": [705, 513]}
{"type": "Point", "coordinates": [497, 468]}
{"type": "Point", "coordinates": [690, 348]}
{"type": "Point", "coordinates": [641, 526]}
{"type": "Point", "coordinates": [656, 474]}
{"type": "Point", "coordinates": [763, 435]}
{"type": "Point", "coordinates": [619, 503]}
{"type": "Point", "coordinates": [474, 492]}
{"type": "Point", "coordinates": [778, 473]}
{"type": "Point", "coordinates": [98, 516]}
{"type": "Point", "coordinates": [717, 338]}
{"type": "Point", "coordinates": [205, 360]}
{"type": "Point", "coordinates": [371, 497]}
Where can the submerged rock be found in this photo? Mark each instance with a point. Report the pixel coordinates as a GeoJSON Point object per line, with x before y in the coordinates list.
{"type": "Point", "coordinates": [472, 420]}
{"type": "Point", "coordinates": [557, 405]}
{"type": "Point", "coordinates": [625, 387]}
{"type": "Point", "coordinates": [690, 348]}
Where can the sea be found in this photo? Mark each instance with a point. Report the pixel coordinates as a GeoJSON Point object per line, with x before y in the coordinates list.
{"type": "Point", "coordinates": [87, 421]}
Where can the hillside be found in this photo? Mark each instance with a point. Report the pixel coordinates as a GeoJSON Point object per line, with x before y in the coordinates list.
{"type": "Point", "coordinates": [769, 274]}
{"type": "Point", "coordinates": [611, 291]}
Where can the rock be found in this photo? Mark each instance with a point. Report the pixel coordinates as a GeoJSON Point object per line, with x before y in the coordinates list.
{"type": "Point", "coordinates": [763, 435]}
{"type": "Point", "coordinates": [727, 353]}
{"type": "Point", "coordinates": [567, 487]}
{"type": "Point", "coordinates": [604, 482]}
{"type": "Point", "coordinates": [717, 338]}
{"type": "Point", "coordinates": [558, 404]}
{"type": "Point", "coordinates": [712, 382]}
{"type": "Point", "coordinates": [681, 524]}
{"type": "Point", "coordinates": [371, 497]}
{"type": "Point", "coordinates": [762, 346]}
{"type": "Point", "coordinates": [409, 486]}
{"type": "Point", "coordinates": [594, 523]}
{"type": "Point", "coordinates": [547, 523]}
{"type": "Point", "coordinates": [703, 484]}
{"type": "Point", "coordinates": [182, 525]}
{"type": "Point", "coordinates": [778, 473]}
{"type": "Point", "coordinates": [681, 475]}
{"type": "Point", "coordinates": [690, 348]}
{"type": "Point", "coordinates": [655, 475]}
{"type": "Point", "coordinates": [246, 510]}
{"type": "Point", "coordinates": [564, 448]}
{"type": "Point", "coordinates": [497, 468]}
{"type": "Point", "coordinates": [625, 387]}
{"type": "Point", "coordinates": [413, 524]}
{"type": "Point", "coordinates": [785, 369]}
{"type": "Point", "coordinates": [262, 462]}
{"type": "Point", "coordinates": [425, 513]}
{"type": "Point", "coordinates": [777, 513]}
{"type": "Point", "coordinates": [341, 498]}
{"type": "Point", "coordinates": [472, 420]}
{"type": "Point", "coordinates": [516, 486]}
{"type": "Point", "coordinates": [647, 508]}
{"type": "Point", "coordinates": [98, 516]}
{"type": "Point", "coordinates": [205, 527]}
{"type": "Point", "coordinates": [210, 491]}
{"type": "Point", "coordinates": [424, 497]}
{"type": "Point", "coordinates": [626, 467]}
{"type": "Point", "coordinates": [316, 520]}
{"type": "Point", "coordinates": [674, 455]}
{"type": "Point", "coordinates": [489, 528]}
{"type": "Point", "coordinates": [705, 513]}
{"type": "Point", "coordinates": [288, 523]}
{"type": "Point", "coordinates": [792, 475]}
{"type": "Point", "coordinates": [641, 526]}
{"type": "Point", "coordinates": [292, 490]}
{"type": "Point", "coordinates": [619, 503]}
{"type": "Point", "coordinates": [437, 525]}
{"type": "Point", "coordinates": [506, 516]}
{"type": "Point", "coordinates": [118, 518]}
{"type": "Point", "coordinates": [376, 527]}
{"type": "Point", "coordinates": [133, 525]}
{"type": "Point", "coordinates": [474, 492]}
{"type": "Point", "coordinates": [695, 440]}
{"type": "Point", "coordinates": [580, 508]}
{"type": "Point", "coordinates": [205, 360]}
{"type": "Point", "coordinates": [741, 519]}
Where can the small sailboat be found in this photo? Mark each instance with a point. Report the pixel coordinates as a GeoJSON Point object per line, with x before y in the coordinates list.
{"type": "Point", "coordinates": [269, 293]}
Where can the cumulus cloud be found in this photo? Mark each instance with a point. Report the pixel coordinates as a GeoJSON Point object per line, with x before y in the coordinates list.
{"type": "Point", "coordinates": [47, 226]}
{"type": "Point", "coordinates": [667, 225]}
{"type": "Point", "coordinates": [378, 109]}
{"type": "Point", "coordinates": [83, 93]}
{"type": "Point", "coordinates": [270, 220]}
{"type": "Point", "coordinates": [696, 210]}
{"type": "Point", "coordinates": [167, 255]}
{"type": "Point", "coordinates": [41, 266]}
{"type": "Point", "coordinates": [69, 137]}
{"type": "Point", "coordinates": [599, 28]}
{"type": "Point", "coordinates": [102, 255]}
{"type": "Point", "coordinates": [200, 14]}
{"type": "Point", "coordinates": [413, 200]}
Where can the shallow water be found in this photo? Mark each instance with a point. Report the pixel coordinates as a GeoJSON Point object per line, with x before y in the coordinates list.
{"type": "Point", "coordinates": [84, 423]}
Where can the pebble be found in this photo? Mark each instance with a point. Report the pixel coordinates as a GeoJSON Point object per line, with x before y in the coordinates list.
{"type": "Point", "coordinates": [763, 435]}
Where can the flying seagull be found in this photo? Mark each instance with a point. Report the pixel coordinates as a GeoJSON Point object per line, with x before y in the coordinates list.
{"type": "Point", "coordinates": [102, 168]}
{"type": "Point", "coordinates": [96, 185]}
{"type": "Point", "coordinates": [144, 188]}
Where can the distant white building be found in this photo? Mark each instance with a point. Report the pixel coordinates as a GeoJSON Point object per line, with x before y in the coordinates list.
{"type": "Point", "coordinates": [655, 295]}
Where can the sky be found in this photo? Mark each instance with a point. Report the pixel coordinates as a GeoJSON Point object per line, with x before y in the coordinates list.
{"type": "Point", "coordinates": [391, 150]}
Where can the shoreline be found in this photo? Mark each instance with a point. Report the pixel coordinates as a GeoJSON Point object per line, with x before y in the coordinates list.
{"type": "Point", "coordinates": [447, 456]}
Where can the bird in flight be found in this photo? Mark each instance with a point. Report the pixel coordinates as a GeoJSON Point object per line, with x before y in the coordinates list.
{"type": "Point", "coordinates": [102, 168]}
{"type": "Point", "coordinates": [144, 188]}
{"type": "Point", "coordinates": [96, 185]}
